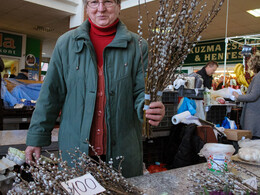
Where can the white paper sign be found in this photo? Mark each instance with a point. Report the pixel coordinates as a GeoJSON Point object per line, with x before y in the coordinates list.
{"type": "Point", "coordinates": [252, 182]}
{"type": "Point", "coordinates": [84, 185]}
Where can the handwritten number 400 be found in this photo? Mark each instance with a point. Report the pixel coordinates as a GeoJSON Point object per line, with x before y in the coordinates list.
{"type": "Point", "coordinates": [79, 186]}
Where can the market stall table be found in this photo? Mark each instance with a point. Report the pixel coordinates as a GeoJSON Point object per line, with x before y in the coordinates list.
{"type": "Point", "coordinates": [216, 113]}
{"type": "Point", "coordinates": [17, 139]}
{"type": "Point", "coordinates": [174, 181]}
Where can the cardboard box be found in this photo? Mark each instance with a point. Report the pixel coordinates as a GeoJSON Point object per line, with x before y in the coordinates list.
{"type": "Point", "coordinates": [236, 134]}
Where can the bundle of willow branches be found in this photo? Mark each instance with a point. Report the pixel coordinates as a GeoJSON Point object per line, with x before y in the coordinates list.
{"type": "Point", "coordinates": [46, 177]}
{"type": "Point", "coordinates": [226, 182]}
{"type": "Point", "coordinates": [172, 34]}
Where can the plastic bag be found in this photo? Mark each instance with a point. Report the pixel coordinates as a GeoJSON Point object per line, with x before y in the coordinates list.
{"type": "Point", "coordinates": [178, 83]}
{"type": "Point", "coordinates": [228, 124]}
{"type": "Point", "coordinates": [225, 93]}
{"type": "Point", "coordinates": [200, 110]}
{"type": "Point", "coordinates": [8, 98]}
{"type": "Point", "coordinates": [249, 150]}
{"type": "Point", "coordinates": [247, 143]}
{"type": "Point", "coordinates": [216, 148]}
{"type": "Point", "coordinates": [28, 91]}
{"type": "Point", "coordinates": [187, 104]}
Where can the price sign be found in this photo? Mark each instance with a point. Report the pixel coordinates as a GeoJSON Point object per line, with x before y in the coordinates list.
{"type": "Point", "coordinates": [84, 185]}
{"type": "Point", "coordinates": [252, 182]}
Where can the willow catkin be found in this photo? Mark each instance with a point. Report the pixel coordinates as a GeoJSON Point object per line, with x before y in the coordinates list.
{"type": "Point", "coordinates": [172, 34]}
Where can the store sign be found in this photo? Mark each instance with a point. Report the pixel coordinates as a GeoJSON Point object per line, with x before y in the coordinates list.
{"type": "Point", "coordinates": [10, 44]}
{"type": "Point", "coordinates": [30, 60]}
{"type": "Point", "coordinates": [206, 51]}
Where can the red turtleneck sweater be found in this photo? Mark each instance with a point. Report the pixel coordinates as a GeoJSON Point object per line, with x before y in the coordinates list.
{"type": "Point", "coordinates": [100, 38]}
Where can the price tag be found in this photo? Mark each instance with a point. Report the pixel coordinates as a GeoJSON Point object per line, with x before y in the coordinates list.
{"type": "Point", "coordinates": [252, 182]}
{"type": "Point", "coordinates": [84, 185]}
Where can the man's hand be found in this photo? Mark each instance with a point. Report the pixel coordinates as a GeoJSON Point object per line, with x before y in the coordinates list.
{"type": "Point", "coordinates": [155, 113]}
{"type": "Point", "coordinates": [30, 150]}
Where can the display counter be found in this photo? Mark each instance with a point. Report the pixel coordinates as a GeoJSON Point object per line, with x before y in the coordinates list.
{"type": "Point", "coordinates": [17, 139]}
{"type": "Point", "coordinates": [175, 181]}
{"type": "Point", "coordinates": [12, 118]}
{"type": "Point", "coordinates": [217, 112]}
{"type": "Point", "coordinates": [17, 118]}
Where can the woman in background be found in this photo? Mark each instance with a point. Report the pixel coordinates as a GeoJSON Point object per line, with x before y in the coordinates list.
{"type": "Point", "coordinates": [2, 67]}
{"type": "Point", "coordinates": [251, 110]}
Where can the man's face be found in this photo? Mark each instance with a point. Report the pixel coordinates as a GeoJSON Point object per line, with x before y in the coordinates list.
{"type": "Point", "coordinates": [102, 15]}
{"type": "Point", "coordinates": [211, 69]}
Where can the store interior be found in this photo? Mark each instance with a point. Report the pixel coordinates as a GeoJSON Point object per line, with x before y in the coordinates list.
{"type": "Point", "coordinates": [11, 67]}
{"type": "Point", "coordinates": [176, 159]}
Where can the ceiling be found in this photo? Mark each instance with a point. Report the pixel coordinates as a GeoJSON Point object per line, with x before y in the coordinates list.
{"type": "Point", "coordinates": [239, 21]}
{"type": "Point", "coordinates": [22, 17]}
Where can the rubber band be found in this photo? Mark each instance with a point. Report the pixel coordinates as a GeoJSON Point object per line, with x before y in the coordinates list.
{"type": "Point", "coordinates": [146, 107]}
{"type": "Point", "coordinates": [147, 97]}
{"type": "Point", "coordinates": [159, 93]}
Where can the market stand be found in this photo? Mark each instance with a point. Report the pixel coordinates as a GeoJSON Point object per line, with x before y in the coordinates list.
{"type": "Point", "coordinates": [175, 181]}
{"type": "Point", "coordinates": [244, 41]}
{"type": "Point", "coordinates": [17, 139]}
{"type": "Point", "coordinates": [18, 117]}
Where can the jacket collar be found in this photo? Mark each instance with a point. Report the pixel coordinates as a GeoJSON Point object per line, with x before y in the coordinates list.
{"type": "Point", "coordinates": [81, 36]}
{"type": "Point", "coordinates": [203, 70]}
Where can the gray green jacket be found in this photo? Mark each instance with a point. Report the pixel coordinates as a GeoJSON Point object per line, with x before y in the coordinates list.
{"type": "Point", "coordinates": [251, 110]}
{"type": "Point", "coordinates": [71, 86]}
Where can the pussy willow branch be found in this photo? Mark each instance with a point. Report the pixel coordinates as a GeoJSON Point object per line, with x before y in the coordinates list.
{"type": "Point", "coordinates": [172, 35]}
{"type": "Point", "coordinates": [218, 182]}
{"type": "Point", "coordinates": [48, 176]}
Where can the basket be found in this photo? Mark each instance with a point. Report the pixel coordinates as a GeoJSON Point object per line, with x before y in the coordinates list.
{"type": "Point", "coordinates": [190, 93]}
{"type": "Point", "coordinates": [170, 97]}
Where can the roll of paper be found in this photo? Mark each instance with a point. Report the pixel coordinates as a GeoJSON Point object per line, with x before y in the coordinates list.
{"type": "Point", "coordinates": [176, 119]}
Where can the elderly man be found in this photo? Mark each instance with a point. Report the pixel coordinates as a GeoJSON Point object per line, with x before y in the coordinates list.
{"type": "Point", "coordinates": [95, 77]}
{"type": "Point", "coordinates": [206, 73]}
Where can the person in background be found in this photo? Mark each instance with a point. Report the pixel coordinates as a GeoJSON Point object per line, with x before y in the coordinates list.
{"type": "Point", "coordinates": [22, 75]}
{"type": "Point", "coordinates": [96, 78]}
{"type": "Point", "coordinates": [206, 73]}
{"type": "Point", "coordinates": [220, 82]}
{"type": "Point", "coordinates": [251, 109]}
{"type": "Point", "coordinates": [2, 67]}
{"type": "Point", "coordinates": [12, 76]}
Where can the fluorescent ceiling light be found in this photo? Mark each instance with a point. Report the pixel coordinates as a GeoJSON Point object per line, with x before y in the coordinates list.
{"type": "Point", "coordinates": [254, 12]}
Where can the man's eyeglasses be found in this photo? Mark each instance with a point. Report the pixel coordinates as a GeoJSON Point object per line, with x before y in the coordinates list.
{"type": "Point", "coordinates": [95, 4]}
